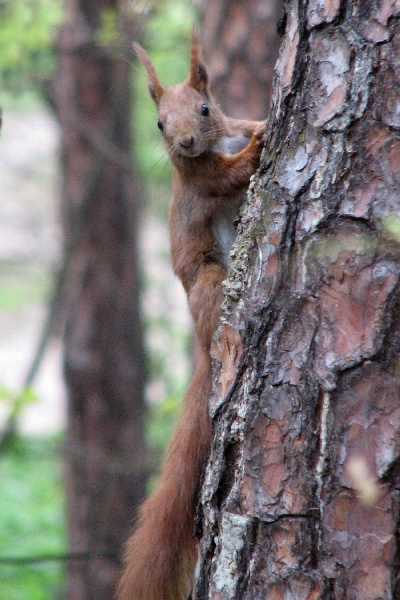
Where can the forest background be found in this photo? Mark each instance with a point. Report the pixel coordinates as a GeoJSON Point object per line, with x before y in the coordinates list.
{"type": "Point", "coordinates": [33, 530]}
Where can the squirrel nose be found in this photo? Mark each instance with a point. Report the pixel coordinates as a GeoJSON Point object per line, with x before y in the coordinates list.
{"type": "Point", "coordinates": [186, 142]}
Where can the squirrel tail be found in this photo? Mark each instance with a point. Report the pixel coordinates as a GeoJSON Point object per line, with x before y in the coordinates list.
{"type": "Point", "coordinates": [161, 554]}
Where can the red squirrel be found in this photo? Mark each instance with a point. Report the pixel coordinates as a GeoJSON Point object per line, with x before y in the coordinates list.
{"type": "Point", "coordinates": [213, 158]}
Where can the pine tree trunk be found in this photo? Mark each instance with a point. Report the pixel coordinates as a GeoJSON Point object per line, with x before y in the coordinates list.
{"type": "Point", "coordinates": [240, 62]}
{"type": "Point", "coordinates": [300, 498]}
{"type": "Point", "coordinates": [104, 364]}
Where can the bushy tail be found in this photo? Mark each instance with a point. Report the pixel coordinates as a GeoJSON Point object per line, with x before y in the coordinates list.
{"type": "Point", "coordinates": [161, 554]}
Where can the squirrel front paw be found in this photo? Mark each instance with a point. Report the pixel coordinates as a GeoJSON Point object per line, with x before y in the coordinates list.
{"type": "Point", "coordinates": [258, 134]}
{"type": "Point", "coordinates": [256, 143]}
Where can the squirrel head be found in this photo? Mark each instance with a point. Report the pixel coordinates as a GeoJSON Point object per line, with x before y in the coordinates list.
{"type": "Point", "coordinates": [188, 117]}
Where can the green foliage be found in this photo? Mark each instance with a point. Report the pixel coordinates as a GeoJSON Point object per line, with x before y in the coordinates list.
{"type": "Point", "coordinates": [27, 30]}
{"type": "Point", "coordinates": [32, 519]}
{"type": "Point", "coordinates": [17, 402]}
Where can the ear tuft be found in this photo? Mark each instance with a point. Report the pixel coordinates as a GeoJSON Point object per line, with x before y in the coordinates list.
{"type": "Point", "coordinates": [198, 76]}
{"type": "Point", "coordinates": [155, 88]}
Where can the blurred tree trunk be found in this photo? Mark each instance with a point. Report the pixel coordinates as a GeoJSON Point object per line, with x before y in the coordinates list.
{"type": "Point", "coordinates": [241, 46]}
{"type": "Point", "coordinates": [300, 498]}
{"type": "Point", "coordinates": [104, 363]}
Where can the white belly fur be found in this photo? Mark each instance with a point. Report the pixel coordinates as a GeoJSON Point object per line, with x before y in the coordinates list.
{"type": "Point", "coordinates": [231, 145]}
{"type": "Point", "coordinates": [224, 229]}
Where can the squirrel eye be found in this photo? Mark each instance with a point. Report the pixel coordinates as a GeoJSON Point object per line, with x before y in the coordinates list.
{"type": "Point", "coordinates": [205, 110]}
{"type": "Point", "coordinates": [160, 125]}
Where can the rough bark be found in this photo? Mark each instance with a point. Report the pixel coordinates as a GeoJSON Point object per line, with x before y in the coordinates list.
{"type": "Point", "coordinates": [104, 363]}
{"type": "Point", "coordinates": [240, 62]}
{"type": "Point", "coordinates": [300, 498]}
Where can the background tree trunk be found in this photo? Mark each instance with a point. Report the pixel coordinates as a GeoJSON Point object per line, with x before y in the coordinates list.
{"type": "Point", "coordinates": [240, 62]}
{"type": "Point", "coordinates": [104, 362]}
{"type": "Point", "coordinates": [301, 497]}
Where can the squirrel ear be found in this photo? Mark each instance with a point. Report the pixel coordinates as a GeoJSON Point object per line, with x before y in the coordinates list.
{"type": "Point", "coordinates": [155, 88]}
{"type": "Point", "coordinates": [198, 76]}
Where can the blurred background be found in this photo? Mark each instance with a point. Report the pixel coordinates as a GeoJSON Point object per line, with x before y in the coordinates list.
{"type": "Point", "coordinates": [95, 336]}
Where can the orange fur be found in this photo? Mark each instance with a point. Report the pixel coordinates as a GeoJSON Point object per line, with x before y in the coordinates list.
{"type": "Point", "coordinates": [208, 187]}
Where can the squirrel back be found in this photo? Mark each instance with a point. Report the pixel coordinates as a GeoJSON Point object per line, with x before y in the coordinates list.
{"type": "Point", "coordinates": [213, 158]}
